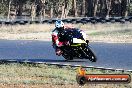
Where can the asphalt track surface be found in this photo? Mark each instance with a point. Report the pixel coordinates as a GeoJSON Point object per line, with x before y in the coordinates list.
{"type": "Point", "coordinates": [110, 55]}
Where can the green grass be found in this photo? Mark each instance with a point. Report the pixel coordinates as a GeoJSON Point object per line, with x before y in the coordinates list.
{"type": "Point", "coordinates": [112, 33]}
{"type": "Point", "coordinates": [31, 74]}
{"type": "Point", "coordinates": [35, 74]}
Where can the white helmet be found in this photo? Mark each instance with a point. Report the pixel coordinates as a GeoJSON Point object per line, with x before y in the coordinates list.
{"type": "Point", "coordinates": [59, 24]}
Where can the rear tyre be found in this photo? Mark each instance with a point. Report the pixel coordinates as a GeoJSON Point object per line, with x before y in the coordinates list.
{"type": "Point", "coordinates": [67, 57]}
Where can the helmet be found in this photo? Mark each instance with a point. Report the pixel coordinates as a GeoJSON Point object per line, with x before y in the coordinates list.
{"type": "Point", "coordinates": [59, 25]}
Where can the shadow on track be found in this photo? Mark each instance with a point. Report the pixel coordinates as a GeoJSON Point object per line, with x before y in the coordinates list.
{"type": "Point", "coordinates": [30, 51]}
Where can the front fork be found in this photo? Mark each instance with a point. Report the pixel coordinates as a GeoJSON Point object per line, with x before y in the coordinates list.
{"type": "Point", "coordinates": [87, 41]}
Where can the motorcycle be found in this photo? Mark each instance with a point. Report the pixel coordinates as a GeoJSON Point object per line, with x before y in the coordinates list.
{"type": "Point", "coordinates": [78, 47]}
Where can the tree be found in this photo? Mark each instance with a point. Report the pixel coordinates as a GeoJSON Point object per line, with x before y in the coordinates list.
{"type": "Point", "coordinates": [63, 11]}
{"type": "Point", "coordinates": [84, 7]}
{"type": "Point", "coordinates": [124, 8]}
{"type": "Point", "coordinates": [33, 10]}
{"type": "Point", "coordinates": [51, 11]}
{"type": "Point", "coordinates": [64, 8]}
{"type": "Point", "coordinates": [9, 10]}
{"type": "Point", "coordinates": [90, 8]}
{"type": "Point", "coordinates": [75, 8]}
{"type": "Point", "coordinates": [4, 7]}
{"type": "Point", "coordinates": [95, 7]}
{"type": "Point", "coordinates": [43, 8]}
{"type": "Point", "coordinates": [18, 4]}
{"type": "Point", "coordinates": [108, 4]}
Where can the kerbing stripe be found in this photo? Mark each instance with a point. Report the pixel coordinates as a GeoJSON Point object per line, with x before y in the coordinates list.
{"type": "Point", "coordinates": [119, 69]}
{"type": "Point", "coordinates": [90, 66]}
{"type": "Point", "coordinates": [12, 60]}
{"type": "Point", "coordinates": [67, 64]}
{"type": "Point", "coordinates": [54, 63]}
{"type": "Point", "coordinates": [27, 61]}
{"type": "Point", "coordinates": [110, 69]}
{"type": "Point", "coordinates": [39, 62]}
{"type": "Point", "coordinates": [100, 67]}
{"type": "Point", "coordinates": [77, 65]}
{"type": "Point", "coordinates": [128, 70]}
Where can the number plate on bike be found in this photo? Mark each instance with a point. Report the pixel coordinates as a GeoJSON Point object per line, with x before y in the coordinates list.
{"type": "Point", "coordinates": [76, 40]}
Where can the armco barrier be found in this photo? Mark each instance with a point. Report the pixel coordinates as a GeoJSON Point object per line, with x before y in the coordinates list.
{"type": "Point", "coordinates": [83, 20]}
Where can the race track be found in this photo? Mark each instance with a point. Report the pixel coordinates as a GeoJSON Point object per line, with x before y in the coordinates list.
{"type": "Point", "coordinates": [110, 55]}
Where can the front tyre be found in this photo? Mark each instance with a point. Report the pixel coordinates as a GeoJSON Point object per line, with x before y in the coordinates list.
{"type": "Point", "coordinates": [90, 54]}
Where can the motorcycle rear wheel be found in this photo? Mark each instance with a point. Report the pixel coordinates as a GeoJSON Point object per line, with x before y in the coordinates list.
{"type": "Point", "coordinates": [67, 57]}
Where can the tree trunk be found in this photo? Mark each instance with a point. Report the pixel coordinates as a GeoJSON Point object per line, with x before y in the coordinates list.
{"type": "Point", "coordinates": [20, 8]}
{"type": "Point", "coordinates": [86, 8]}
{"type": "Point", "coordinates": [83, 8]}
{"type": "Point", "coordinates": [116, 8]}
{"type": "Point", "coordinates": [63, 12]}
{"type": "Point", "coordinates": [43, 8]}
{"type": "Point", "coordinates": [67, 7]}
{"type": "Point", "coordinates": [33, 11]}
{"type": "Point", "coordinates": [90, 8]}
{"type": "Point", "coordinates": [42, 11]}
{"type": "Point", "coordinates": [124, 8]}
{"type": "Point", "coordinates": [51, 11]}
{"type": "Point", "coordinates": [95, 7]}
{"type": "Point", "coordinates": [66, 11]}
{"type": "Point", "coordinates": [120, 8]}
{"type": "Point", "coordinates": [9, 7]}
{"type": "Point", "coordinates": [128, 7]}
{"type": "Point", "coordinates": [108, 4]}
{"type": "Point", "coordinates": [103, 7]}
{"type": "Point", "coordinates": [74, 8]}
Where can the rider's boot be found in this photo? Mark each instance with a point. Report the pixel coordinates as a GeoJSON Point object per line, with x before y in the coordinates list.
{"type": "Point", "coordinates": [58, 52]}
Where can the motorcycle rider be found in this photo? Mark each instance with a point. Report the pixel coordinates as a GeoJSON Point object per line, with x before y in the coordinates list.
{"type": "Point", "coordinates": [60, 27]}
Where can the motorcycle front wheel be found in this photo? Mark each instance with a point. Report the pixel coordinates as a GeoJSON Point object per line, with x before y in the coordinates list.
{"type": "Point", "coordinates": [89, 54]}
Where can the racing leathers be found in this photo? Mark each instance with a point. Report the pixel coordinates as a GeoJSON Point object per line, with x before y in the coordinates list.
{"type": "Point", "coordinates": [57, 44]}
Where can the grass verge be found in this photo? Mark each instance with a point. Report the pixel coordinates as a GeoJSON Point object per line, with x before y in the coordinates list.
{"type": "Point", "coordinates": [45, 76]}
{"type": "Point", "coordinates": [109, 32]}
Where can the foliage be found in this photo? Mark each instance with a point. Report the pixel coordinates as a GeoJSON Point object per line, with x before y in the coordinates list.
{"type": "Point", "coordinates": [100, 8]}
